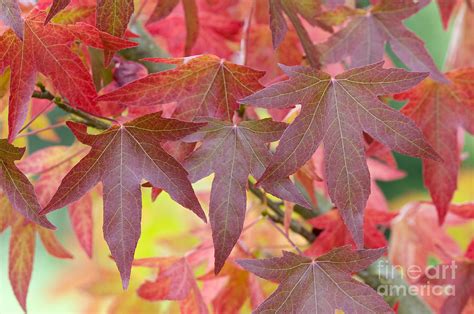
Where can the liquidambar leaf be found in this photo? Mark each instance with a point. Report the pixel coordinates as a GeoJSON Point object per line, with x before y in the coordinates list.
{"type": "Point", "coordinates": [232, 152]}
{"type": "Point", "coordinates": [319, 285]}
{"type": "Point", "coordinates": [364, 38]}
{"type": "Point", "coordinates": [47, 49]}
{"type": "Point", "coordinates": [440, 110]}
{"type": "Point", "coordinates": [16, 186]}
{"type": "Point", "coordinates": [203, 86]}
{"type": "Point", "coordinates": [336, 111]}
{"type": "Point", "coordinates": [121, 157]}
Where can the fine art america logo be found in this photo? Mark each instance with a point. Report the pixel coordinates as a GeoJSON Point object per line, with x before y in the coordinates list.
{"type": "Point", "coordinates": [416, 281]}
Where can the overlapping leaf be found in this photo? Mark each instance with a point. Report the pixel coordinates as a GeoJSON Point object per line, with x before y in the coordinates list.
{"type": "Point", "coordinates": [10, 14]}
{"type": "Point", "coordinates": [203, 86]}
{"type": "Point", "coordinates": [335, 233]}
{"type": "Point", "coordinates": [165, 7]}
{"type": "Point", "coordinates": [335, 112]}
{"type": "Point", "coordinates": [175, 281]}
{"type": "Point", "coordinates": [22, 248]}
{"type": "Point", "coordinates": [320, 285]}
{"type": "Point", "coordinates": [364, 38]}
{"type": "Point", "coordinates": [112, 17]}
{"type": "Point", "coordinates": [17, 187]}
{"type": "Point", "coordinates": [47, 49]}
{"type": "Point", "coordinates": [232, 152]}
{"type": "Point", "coordinates": [446, 8]}
{"type": "Point", "coordinates": [121, 157]}
{"type": "Point", "coordinates": [196, 27]}
{"type": "Point", "coordinates": [461, 280]}
{"type": "Point", "coordinates": [440, 110]}
{"type": "Point", "coordinates": [49, 165]}
{"type": "Point", "coordinates": [416, 229]}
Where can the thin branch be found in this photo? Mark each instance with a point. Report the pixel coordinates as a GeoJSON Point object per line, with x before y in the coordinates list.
{"type": "Point", "coordinates": [287, 237]}
{"type": "Point", "coordinates": [87, 118]}
{"type": "Point", "coordinates": [36, 117]}
{"type": "Point", "coordinates": [310, 50]}
{"type": "Point", "coordinates": [51, 127]}
{"type": "Point", "coordinates": [279, 215]}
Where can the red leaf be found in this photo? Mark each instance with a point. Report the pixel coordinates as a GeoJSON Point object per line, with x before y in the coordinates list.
{"type": "Point", "coordinates": [47, 49]}
{"type": "Point", "coordinates": [51, 164]}
{"type": "Point", "coordinates": [175, 281]}
{"type": "Point", "coordinates": [16, 186]}
{"type": "Point", "coordinates": [20, 264]}
{"type": "Point", "coordinates": [121, 157]}
{"type": "Point", "coordinates": [22, 252]}
{"type": "Point", "coordinates": [80, 213]}
{"type": "Point", "coordinates": [335, 112]}
{"type": "Point", "coordinates": [191, 30]}
{"type": "Point", "coordinates": [446, 8]}
{"type": "Point", "coordinates": [203, 86]}
{"type": "Point", "coordinates": [440, 109]}
{"type": "Point", "coordinates": [460, 276]}
{"type": "Point", "coordinates": [335, 233]}
{"type": "Point", "coordinates": [416, 230]}
{"type": "Point", "coordinates": [233, 152]}
{"type": "Point", "coordinates": [319, 285]}
{"type": "Point", "coordinates": [364, 38]}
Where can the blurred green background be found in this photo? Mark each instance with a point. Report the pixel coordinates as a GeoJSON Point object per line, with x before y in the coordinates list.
{"type": "Point", "coordinates": [168, 219]}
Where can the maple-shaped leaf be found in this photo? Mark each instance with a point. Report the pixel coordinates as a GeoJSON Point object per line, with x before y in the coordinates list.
{"type": "Point", "coordinates": [175, 280]}
{"type": "Point", "coordinates": [16, 185]}
{"type": "Point", "coordinates": [203, 86]}
{"type": "Point", "coordinates": [459, 275]}
{"type": "Point", "coordinates": [440, 110]}
{"type": "Point", "coordinates": [335, 112]}
{"type": "Point", "coordinates": [121, 157]}
{"type": "Point", "coordinates": [47, 49]}
{"type": "Point", "coordinates": [319, 285]}
{"type": "Point", "coordinates": [335, 233]}
{"type": "Point", "coordinates": [364, 38]}
{"type": "Point", "coordinates": [10, 14]}
{"type": "Point", "coordinates": [232, 152]}
{"type": "Point", "coordinates": [416, 230]}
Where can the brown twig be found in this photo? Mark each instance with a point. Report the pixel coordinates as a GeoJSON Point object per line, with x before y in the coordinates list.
{"type": "Point", "coordinates": [87, 118]}
{"type": "Point", "coordinates": [310, 50]}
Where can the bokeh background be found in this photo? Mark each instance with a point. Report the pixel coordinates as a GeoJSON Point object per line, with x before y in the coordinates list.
{"type": "Point", "coordinates": [66, 286]}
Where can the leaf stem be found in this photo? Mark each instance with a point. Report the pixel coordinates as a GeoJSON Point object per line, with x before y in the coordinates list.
{"type": "Point", "coordinates": [287, 237]}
